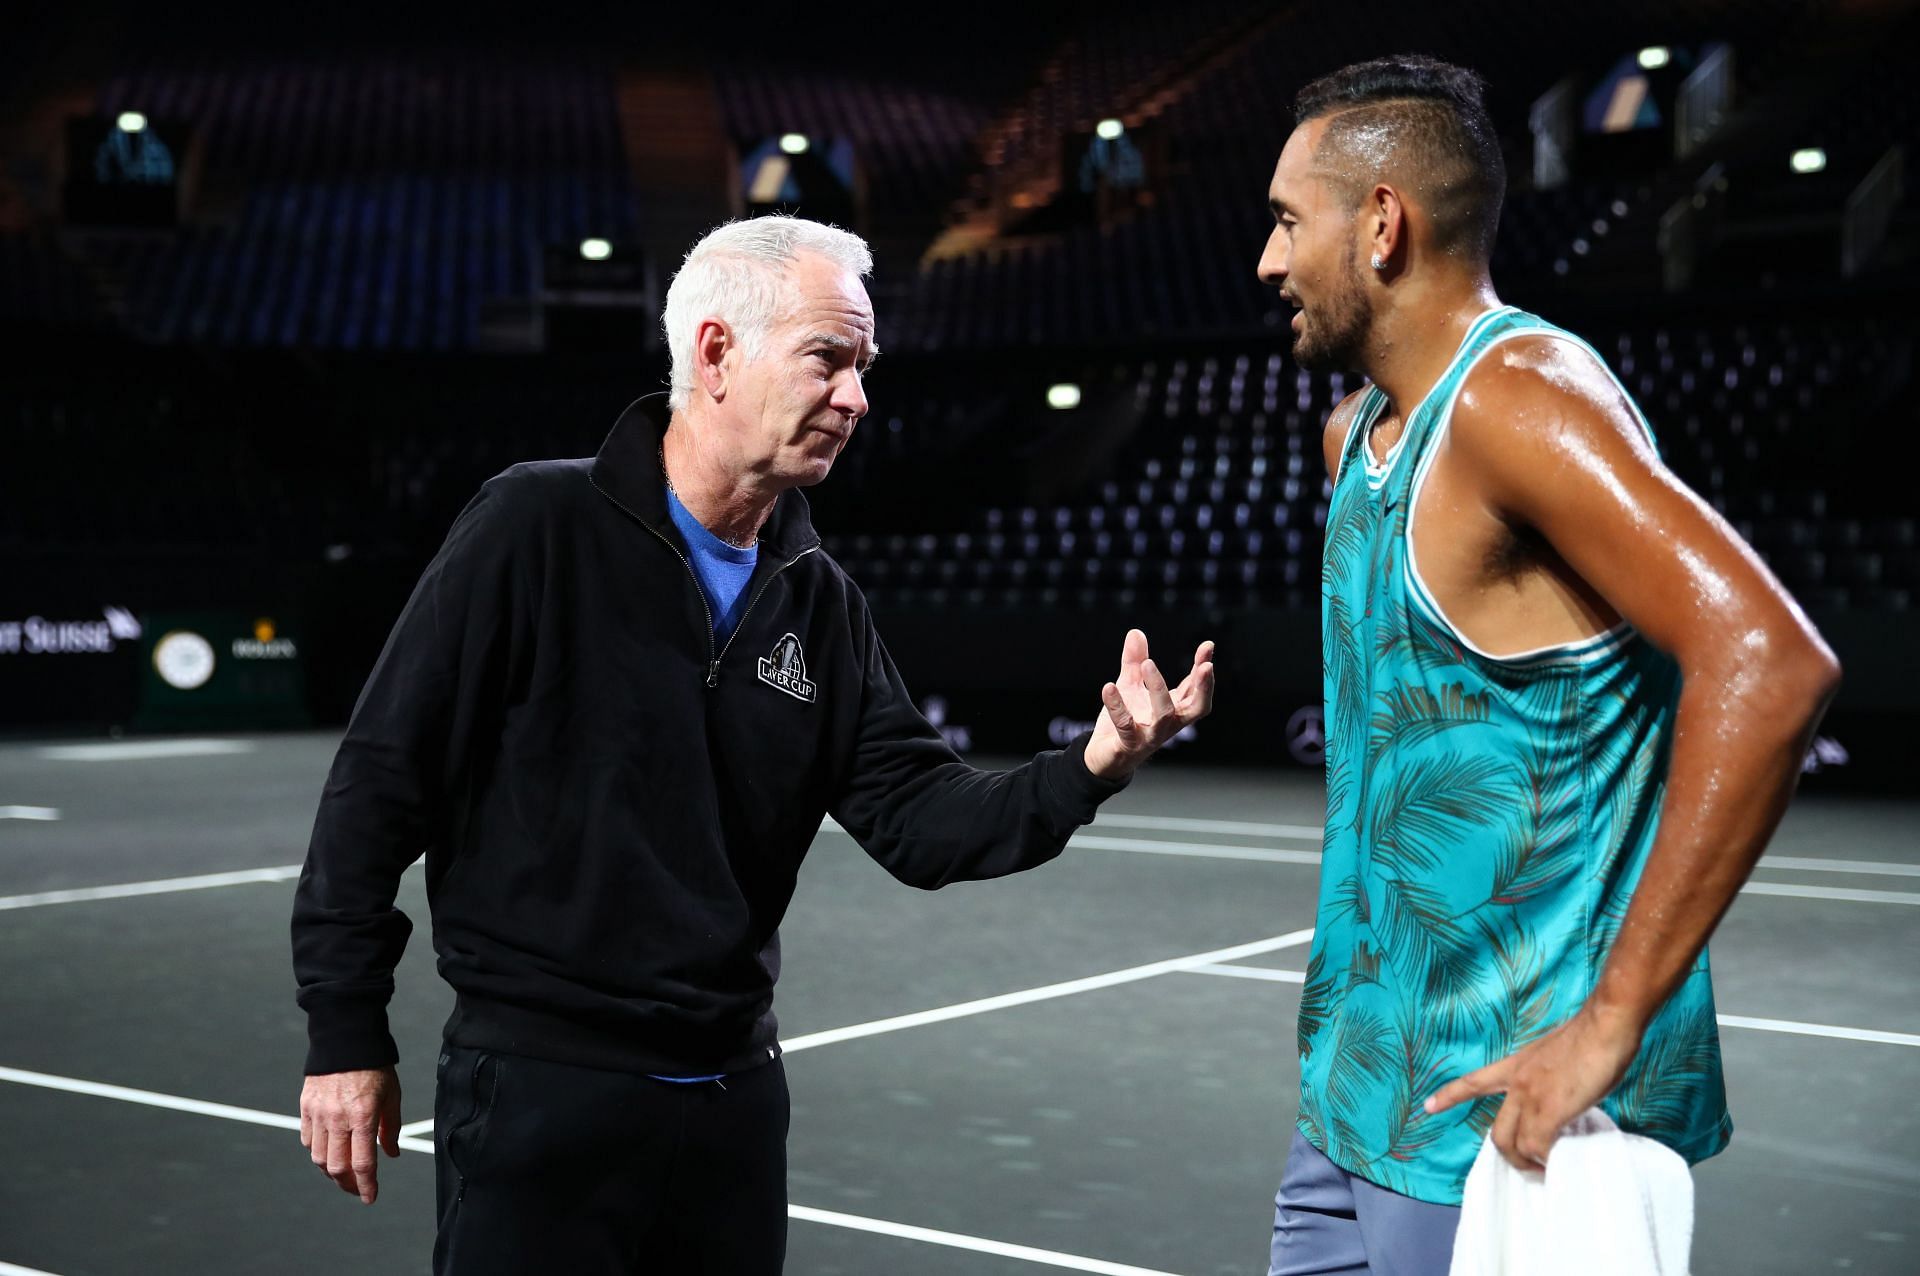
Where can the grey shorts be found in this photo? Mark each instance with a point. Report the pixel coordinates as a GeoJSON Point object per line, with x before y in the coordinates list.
{"type": "Point", "coordinates": [1327, 1222]}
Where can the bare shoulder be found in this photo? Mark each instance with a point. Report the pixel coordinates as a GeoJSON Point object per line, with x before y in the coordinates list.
{"type": "Point", "coordinates": [1333, 440]}
{"type": "Point", "coordinates": [1538, 392]}
{"type": "Point", "coordinates": [1542, 428]}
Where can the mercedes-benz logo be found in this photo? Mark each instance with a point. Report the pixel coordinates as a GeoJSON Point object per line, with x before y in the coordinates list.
{"type": "Point", "coordinates": [1307, 735]}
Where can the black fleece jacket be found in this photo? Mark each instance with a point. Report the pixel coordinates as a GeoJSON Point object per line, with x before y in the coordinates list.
{"type": "Point", "coordinates": [613, 806]}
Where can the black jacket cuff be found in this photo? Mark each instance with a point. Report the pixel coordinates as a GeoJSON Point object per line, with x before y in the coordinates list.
{"type": "Point", "coordinates": [1079, 790]}
{"type": "Point", "coordinates": [348, 1038]}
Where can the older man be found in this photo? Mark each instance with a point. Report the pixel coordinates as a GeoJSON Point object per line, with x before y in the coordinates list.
{"type": "Point", "coordinates": [612, 715]}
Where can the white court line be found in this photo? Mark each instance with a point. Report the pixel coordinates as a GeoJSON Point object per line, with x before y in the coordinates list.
{"type": "Point", "coordinates": [1830, 892]}
{"type": "Point", "coordinates": [14, 1269]}
{"type": "Point", "coordinates": [135, 749]}
{"type": "Point", "coordinates": [1087, 841]}
{"type": "Point", "coordinates": [1210, 850]}
{"type": "Point", "coordinates": [29, 813]}
{"type": "Point", "coordinates": [954, 1240]}
{"type": "Point", "coordinates": [1251, 972]}
{"type": "Point", "coordinates": [1046, 992]}
{"type": "Point", "coordinates": [176, 1103]}
{"type": "Point", "coordinates": [127, 1094]}
{"type": "Point", "coordinates": [164, 886]}
{"type": "Point", "coordinates": [417, 1129]}
{"type": "Point", "coordinates": [1808, 864]}
{"type": "Point", "coordinates": [1181, 824]}
{"type": "Point", "coordinates": [274, 1120]}
{"type": "Point", "coordinates": [1821, 1030]}
{"type": "Point", "coordinates": [1835, 1031]}
{"type": "Point", "coordinates": [1198, 850]}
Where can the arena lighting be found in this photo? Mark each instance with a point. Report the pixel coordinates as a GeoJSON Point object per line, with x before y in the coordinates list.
{"type": "Point", "coordinates": [595, 249]}
{"type": "Point", "coordinates": [1653, 57]}
{"type": "Point", "coordinates": [795, 143]}
{"type": "Point", "coordinates": [1110, 130]}
{"type": "Point", "coordinates": [132, 122]}
{"type": "Point", "coordinates": [1810, 160]}
{"type": "Point", "coordinates": [1065, 395]}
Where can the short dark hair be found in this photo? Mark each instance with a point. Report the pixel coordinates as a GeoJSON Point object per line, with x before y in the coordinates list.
{"type": "Point", "coordinates": [1436, 120]}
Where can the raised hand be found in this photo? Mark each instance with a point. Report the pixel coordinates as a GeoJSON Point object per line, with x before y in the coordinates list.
{"type": "Point", "coordinates": [1142, 712]}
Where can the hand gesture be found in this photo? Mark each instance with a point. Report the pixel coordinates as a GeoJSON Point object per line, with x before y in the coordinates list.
{"type": "Point", "coordinates": [1547, 1084]}
{"type": "Point", "coordinates": [1142, 713]}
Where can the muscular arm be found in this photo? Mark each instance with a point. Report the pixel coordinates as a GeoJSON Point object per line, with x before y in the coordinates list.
{"type": "Point", "coordinates": [1557, 448]}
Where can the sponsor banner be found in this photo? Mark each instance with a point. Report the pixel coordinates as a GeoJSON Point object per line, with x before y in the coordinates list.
{"type": "Point", "coordinates": [225, 669]}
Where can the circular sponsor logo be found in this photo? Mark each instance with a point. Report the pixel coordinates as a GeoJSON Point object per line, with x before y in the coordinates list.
{"type": "Point", "coordinates": [1307, 735]}
{"type": "Point", "coordinates": [183, 659]}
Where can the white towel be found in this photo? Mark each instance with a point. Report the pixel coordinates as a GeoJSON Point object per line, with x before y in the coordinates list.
{"type": "Point", "coordinates": [1609, 1204]}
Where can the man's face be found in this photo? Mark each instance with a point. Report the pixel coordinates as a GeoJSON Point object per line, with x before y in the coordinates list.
{"type": "Point", "coordinates": [1313, 258]}
{"type": "Point", "coordinates": [793, 407]}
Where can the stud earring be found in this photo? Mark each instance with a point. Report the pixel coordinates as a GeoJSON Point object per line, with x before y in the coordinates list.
{"type": "Point", "coordinates": [1379, 262]}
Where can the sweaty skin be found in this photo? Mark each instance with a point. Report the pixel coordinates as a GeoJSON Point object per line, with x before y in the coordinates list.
{"type": "Point", "coordinates": [1546, 518]}
{"type": "Point", "coordinates": [1541, 441]}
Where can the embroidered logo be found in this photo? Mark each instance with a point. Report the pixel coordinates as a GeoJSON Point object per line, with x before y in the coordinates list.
{"type": "Point", "coordinates": [786, 670]}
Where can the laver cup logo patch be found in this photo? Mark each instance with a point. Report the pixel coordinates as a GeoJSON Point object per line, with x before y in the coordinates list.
{"type": "Point", "coordinates": [786, 669]}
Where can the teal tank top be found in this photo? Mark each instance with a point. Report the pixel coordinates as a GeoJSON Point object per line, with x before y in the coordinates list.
{"type": "Point", "coordinates": [1487, 819]}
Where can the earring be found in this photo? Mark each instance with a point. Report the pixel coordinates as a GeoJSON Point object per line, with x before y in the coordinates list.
{"type": "Point", "coordinates": [1379, 262]}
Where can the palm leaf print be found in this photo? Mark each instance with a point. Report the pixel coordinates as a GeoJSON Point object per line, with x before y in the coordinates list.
{"type": "Point", "coordinates": [1413, 923]}
{"type": "Point", "coordinates": [1363, 1055]}
{"type": "Point", "coordinates": [1422, 811]}
{"type": "Point", "coordinates": [1346, 669]}
{"type": "Point", "coordinates": [1349, 897]}
{"type": "Point", "coordinates": [1425, 644]}
{"type": "Point", "coordinates": [1662, 1088]}
{"type": "Point", "coordinates": [1316, 1000]}
{"type": "Point", "coordinates": [1635, 794]}
{"type": "Point", "coordinates": [1481, 1115]}
{"type": "Point", "coordinates": [1522, 1009]}
{"type": "Point", "coordinates": [1422, 1068]}
{"type": "Point", "coordinates": [1604, 929]}
{"type": "Point", "coordinates": [1546, 844]}
{"type": "Point", "coordinates": [1521, 1012]}
{"type": "Point", "coordinates": [1350, 538]}
{"type": "Point", "coordinates": [1365, 967]}
{"type": "Point", "coordinates": [1339, 780]}
{"type": "Point", "coordinates": [1407, 713]}
{"type": "Point", "coordinates": [1309, 1119]}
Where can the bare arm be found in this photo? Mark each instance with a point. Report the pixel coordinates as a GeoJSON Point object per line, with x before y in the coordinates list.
{"type": "Point", "coordinates": [1559, 450]}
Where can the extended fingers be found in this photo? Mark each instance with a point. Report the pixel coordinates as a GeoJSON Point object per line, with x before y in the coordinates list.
{"type": "Point", "coordinates": [1491, 1079]}
{"type": "Point", "coordinates": [1159, 699]}
{"type": "Point", "coordinates": [1121, 716]}
{"type": "Point", "coordinates": [1194, 696]}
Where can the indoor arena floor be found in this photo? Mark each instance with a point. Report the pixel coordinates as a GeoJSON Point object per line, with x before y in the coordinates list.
{"type": "Point", "coordinates": [1085, 1068]}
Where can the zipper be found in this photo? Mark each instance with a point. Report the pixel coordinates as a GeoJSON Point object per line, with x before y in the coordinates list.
{"type": "Point", "coordinates": [713, 664]}
{"type": "Point", "coordinates": [713, 670]}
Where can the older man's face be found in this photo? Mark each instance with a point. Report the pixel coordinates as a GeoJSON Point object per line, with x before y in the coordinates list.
{"type": "Point", "coordinates": [799, 400]}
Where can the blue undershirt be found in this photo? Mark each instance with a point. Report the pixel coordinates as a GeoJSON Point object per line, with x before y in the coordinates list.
{"type": "Point", "coordinates": [722, 570]}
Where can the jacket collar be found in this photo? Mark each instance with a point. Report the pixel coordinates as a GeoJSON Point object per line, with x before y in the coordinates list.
{"type": "Point", "coordinates": [627, 471]}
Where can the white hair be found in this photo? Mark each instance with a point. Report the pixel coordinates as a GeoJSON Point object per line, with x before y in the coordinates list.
{"type": "Point", "coordinates": [738, 273]}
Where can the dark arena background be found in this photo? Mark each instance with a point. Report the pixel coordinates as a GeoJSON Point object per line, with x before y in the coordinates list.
{"type": "Point", "coordinates": [280, 287]}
